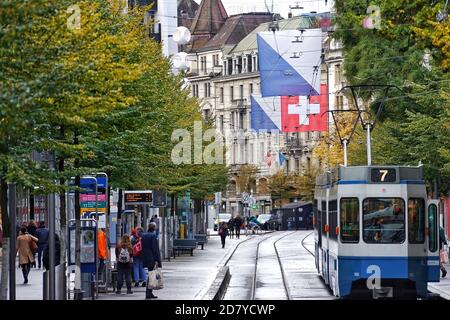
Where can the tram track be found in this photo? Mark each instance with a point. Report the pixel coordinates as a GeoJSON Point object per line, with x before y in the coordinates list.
{"type": "Point", "coordinates": [256, 274]}
{"type": "Point", "coordinates": [304, 246]}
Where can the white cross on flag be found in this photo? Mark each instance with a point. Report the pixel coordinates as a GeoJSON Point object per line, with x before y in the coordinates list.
{"type": "Point", "coordinates": [291, 114]}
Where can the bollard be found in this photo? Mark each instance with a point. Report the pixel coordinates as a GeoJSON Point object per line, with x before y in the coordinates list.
{"type": "Point", "coordinates": [45, 285]}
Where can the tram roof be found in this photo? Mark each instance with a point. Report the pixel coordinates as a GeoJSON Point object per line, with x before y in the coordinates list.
{"type": "Point", "coordinates": [363, 174]}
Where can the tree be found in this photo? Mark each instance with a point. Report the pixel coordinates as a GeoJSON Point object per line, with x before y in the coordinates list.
{"type": "Point", "coordinates": [394, 55]}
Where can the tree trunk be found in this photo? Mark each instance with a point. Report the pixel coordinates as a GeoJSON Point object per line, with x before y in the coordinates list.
{"type": "Point", "coordinates": [63, 220]}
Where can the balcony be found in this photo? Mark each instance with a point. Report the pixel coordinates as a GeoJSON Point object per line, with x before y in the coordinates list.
{"type": "Point", "coordinates": [210, 72]}
{"type": "Point", "coordinates": [239, 103]}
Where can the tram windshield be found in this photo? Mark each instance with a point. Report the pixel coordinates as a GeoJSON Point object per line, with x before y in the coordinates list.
{"type": "Point", "coordinates": [384, 220]}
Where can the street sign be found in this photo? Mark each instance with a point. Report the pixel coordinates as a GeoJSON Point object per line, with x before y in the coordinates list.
{"type": "Point", "coordinates": [138, 197]}
{"type": "Point", "coordinates": [159, 198]}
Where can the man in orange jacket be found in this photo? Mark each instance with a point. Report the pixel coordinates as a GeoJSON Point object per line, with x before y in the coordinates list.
{"type": "Point", "coordinates": [102, 250]}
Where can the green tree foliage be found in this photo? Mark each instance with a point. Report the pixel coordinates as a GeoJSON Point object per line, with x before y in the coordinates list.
{"type": "Point", "coordinates": [106, 83]}
{"type": "Point", "coordinates": [414, 125]}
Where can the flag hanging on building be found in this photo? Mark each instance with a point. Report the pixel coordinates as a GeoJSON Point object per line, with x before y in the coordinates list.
{"type": "Point", "coordinates": [291, 114]}
{"type": "Point", "coordinates": [289, 62]}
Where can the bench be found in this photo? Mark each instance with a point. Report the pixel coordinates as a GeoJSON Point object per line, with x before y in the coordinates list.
{"type": "Point", "coordinates": [201, 239]}
{"type": "Point", "coordinates": [184, 245]}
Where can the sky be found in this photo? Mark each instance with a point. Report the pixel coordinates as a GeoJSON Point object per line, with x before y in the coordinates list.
{"type": "Point", "coordinates": [279, 6]}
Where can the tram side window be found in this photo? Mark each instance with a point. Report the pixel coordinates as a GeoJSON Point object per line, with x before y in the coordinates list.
{"type": "Point", "coordinates": [432, 225]}
{"type": "Point", "coordinates": [384, 220]}
{"type": "Point", "coordinates": [324, 217]}
{"type": "Point", "coordinates": [416, 220]}
{"type": "Point", "coordinates": [332, 206]}
{"type": "Point", "coordinates": [349, 216]}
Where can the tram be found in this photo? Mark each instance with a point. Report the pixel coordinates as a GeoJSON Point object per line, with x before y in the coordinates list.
{"type": "Point", "coordinates": [375, 232]}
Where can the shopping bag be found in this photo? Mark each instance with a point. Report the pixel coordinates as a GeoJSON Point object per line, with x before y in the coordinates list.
{"type": "Point", "coordinates": [443, 256]}
{"type": "Point", "coordinates": [155, 279]}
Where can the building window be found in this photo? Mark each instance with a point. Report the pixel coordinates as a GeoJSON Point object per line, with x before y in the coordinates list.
{"type": "Point", "coordinates": [221, 95]}
{"type": "Point", "coordinates": [230, 66]}
{"type": "Point", "coordinates": [207, 114]}
{"type": "Point", "coordinates": [251, 88]}
{"type": "Point", "coordinates": [215, 60]}
{"type": "Point", "coordinates": [231, 93]}
{"type": "Point", "coordinates": [338, 74]}
{"type": "Point", "coordinates": [241, 92]}
{"type": "Point", "coordinates": [205, 86]}
{"type": "Point", "coordinates": [221, 123]}
{"type": "Point", "coordinates": [239, 65]}
{"type": "Point", "coordinates": [255, 65]}
{"type": "Point", "coordinates": [232, 120]}
{"type": "Point", "coordinates": [241, 120]}
{"type": "Point", "coordinates": [249, 63]}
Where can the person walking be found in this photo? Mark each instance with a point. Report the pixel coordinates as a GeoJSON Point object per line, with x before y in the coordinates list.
{"type": "Point", "coordinates": [223, 232]}
{"type": "Point", "coordinates": [237, 225]}
{"type": "Point", "coordinates": [124, 255]}
{"type": "Point", "coordinates": [25, 246]}
{"type": "Point", "coordinates": [150, 254]}
{"type": "Point", "coordinates": [102, 251]}
{"type": "Point", "coordinates": [156, 220]}
{"type": "Point", "coordinates": [42, 236]}
{"type": "Point", "coordinates": [31, 229]}
{"type": "Point", "coordinates": [46, 254]}
{"type": "Point", "coordinates": [231, 228]}
{"type": "Point", "coordinates": [138, 263]}
{"type": "Point", "coordinates": [442, 242]}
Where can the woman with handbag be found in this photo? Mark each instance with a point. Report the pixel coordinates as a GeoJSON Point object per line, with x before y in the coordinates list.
{"type": "Point", "coordinates": [26, 246]}
{"type": "Point", "coordinates": [151, 255]}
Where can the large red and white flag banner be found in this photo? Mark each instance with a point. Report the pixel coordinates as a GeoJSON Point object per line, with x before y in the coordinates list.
{"type": "Point", "coordinates": [291, 114]}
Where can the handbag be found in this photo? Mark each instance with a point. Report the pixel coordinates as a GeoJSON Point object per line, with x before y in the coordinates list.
{"type": "Point", "coordinates": [33, 246]}
{"type": "Point", "coordinates": [137, 248]}
{"type": "Point", "coordinates": [155, 279]}
{"type": "Point", "coordinates": [443, 256]}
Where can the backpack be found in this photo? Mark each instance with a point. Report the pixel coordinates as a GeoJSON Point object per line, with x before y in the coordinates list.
{"type": "Point", "coordinates": [137, 248]}
{"type": "Point", "coordinates": [124, 256]}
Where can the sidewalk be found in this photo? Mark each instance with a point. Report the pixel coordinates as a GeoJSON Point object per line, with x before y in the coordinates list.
{"type": "Point", "coordinates": [186, 277]}
{"type": "Point", "coordinates": [443, 287]}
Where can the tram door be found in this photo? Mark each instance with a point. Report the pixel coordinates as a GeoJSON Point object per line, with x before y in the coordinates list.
{"type": "Point", "coordinates": [432, 242]}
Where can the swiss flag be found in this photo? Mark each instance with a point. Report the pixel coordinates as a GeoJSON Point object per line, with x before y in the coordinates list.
{"type": "Point", "coordinates": [300, 114]}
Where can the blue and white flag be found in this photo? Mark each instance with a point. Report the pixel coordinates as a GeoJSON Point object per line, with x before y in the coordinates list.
{"type": "Point", "coordinates": [289, 62]}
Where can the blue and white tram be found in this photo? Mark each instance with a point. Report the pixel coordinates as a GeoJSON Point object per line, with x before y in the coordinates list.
{"type": "Point", "coordinates": [375, 232]}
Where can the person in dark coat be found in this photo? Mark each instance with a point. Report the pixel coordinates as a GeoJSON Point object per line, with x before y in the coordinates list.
{"type": "Point", "coordinates": [42, 235]}
{"type": "Point", "coordinates": [150, 254]}
{"type": "Point", "coordinates": [223, 232]}
{"type": "Point", "coordinates": [46, 254]}
{"type": "Point", "coordinates": [231, 227]}
{"type": "Point", "coordinates": [237, 225]}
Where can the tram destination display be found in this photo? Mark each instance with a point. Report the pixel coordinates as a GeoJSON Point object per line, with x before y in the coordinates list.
{"type": "Point", "coordinates": [138, 197]}
{"type": "Point", "coordinates": [384, 175]}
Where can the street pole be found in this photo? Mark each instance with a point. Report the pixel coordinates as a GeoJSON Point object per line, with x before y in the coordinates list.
{"type": "Point", "coordinates": [12, 248]}
{"type": "Point", "coordinates": [369, 151]}
{"type": "Point", "coordinates": [78, 293]}
{"type": "Point", "coordinates": [95, 294]}
{"type": "Point", "coordinates": [51, 245]}
{"type": "Point", "coordinates": [345, 142]}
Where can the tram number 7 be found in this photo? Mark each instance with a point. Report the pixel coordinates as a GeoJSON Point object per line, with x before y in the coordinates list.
{"type": "Point", "coordinates": [383, 174]}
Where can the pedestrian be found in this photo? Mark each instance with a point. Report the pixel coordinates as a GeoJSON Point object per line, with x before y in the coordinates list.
{"type": "Point", "coordinates": [46, 254]}
{"type": "Point", "coordinates": [150, 254]}
{"type": "Point", "coordinates": [102, 250]}
{"type": "Point", "coordinates": [138, 263]}
{"type": "Point", "coordinates": [237, 225]}
{"type": "Point", "coordinates": [442, 242]}
{"type": "Point", "coordinates": [124, 255]}
{"type": "Point", "coordinates": [42, 236]}
{"type": "Point", "coordinates": [223, 232]}
{"type": "Point", "coordinates": [231, 227]}
{"type": "Point", "coordinates": [156, 221]}
{"type": "Point", "coordinates": [25, 246]}
{"type": "Point", "coordinates": [31, 229]}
